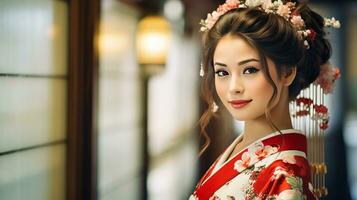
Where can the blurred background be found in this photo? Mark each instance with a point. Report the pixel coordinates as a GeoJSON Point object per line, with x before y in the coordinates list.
{"type": "Point", "coordinates": [101, 101]}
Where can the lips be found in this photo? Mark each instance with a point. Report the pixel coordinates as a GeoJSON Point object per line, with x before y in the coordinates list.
{"type": "Point", "coordinates": [239, 103]}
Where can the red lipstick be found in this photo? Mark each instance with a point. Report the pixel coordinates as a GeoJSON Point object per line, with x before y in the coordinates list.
{"type": "Point", "coordinates": [239, 103]}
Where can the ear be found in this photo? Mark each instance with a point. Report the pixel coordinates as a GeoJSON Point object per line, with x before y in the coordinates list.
{"type": "Point", "coordinates": [289, 76]}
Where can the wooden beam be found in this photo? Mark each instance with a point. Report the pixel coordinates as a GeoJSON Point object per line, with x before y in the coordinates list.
{"type": "Point", "coordinates": [81, 182]}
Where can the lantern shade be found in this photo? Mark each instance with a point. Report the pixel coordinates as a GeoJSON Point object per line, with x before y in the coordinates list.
{"type": "Point", "coordinates": [153, 40]}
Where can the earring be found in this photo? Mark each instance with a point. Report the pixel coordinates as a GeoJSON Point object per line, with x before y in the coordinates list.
{"type": "Point", "coordinates": [214, 107]}
{"type": "Point", "coordinates": [202, 72]}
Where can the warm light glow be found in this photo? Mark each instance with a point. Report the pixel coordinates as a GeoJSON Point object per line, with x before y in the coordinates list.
{"type": "Point", "coordinates": [153, 40]}
{"type": "Point", "coordinates": [112, 43]}
{"type": "Point", "coordinates": [52, 31]}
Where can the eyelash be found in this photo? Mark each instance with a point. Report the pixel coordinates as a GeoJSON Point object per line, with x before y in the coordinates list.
{"type": "Point", "coordinates": [219, 71]}
{"type": "Point", "coordinates": [255, 70]}
{"type": "Point", "coordinates": [251, 68]}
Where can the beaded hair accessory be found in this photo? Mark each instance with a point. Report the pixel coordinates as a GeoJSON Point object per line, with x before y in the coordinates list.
{"type": "Point", "coordinates": [309, 112]}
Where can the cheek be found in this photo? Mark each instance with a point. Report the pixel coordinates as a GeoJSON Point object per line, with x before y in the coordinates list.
{"type": "Point", "coordinates": [220, 89]}
{"type": "Point", "coordinates": [260, 89]}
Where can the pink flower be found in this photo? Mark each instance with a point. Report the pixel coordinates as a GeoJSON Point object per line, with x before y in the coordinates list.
{"type": "Point", "coordinates": [229, 5]}
{"type": "Point", "coordinates": [297, 21]}
{"type": "Point", "coordinates": [263, 151]}
{"type": "Point", "coordinates": [336, 73]}
{"type": "Point", "coordinates": [232, 3]}
{"type": "Point", "coordinates": [243, 163]}
{"type": "Point", "coordinates": [327, 77]}
{"type": "Point", "coordinates": [223, 8]}
{"type": "Point", "coordinates": [211, 19]}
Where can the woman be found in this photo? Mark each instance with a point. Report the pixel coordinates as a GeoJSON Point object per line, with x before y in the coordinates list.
{"type": "Point", "coordinates": [258, 56]}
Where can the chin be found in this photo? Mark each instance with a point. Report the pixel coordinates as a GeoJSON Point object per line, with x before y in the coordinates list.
{"type": "Point", "coordinates": [242, 117]}
{"type": "Point", "coordinates": [246, 116]}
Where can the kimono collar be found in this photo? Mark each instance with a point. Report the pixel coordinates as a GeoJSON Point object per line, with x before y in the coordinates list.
{"type": "Point", "coordinates": [273, 143]}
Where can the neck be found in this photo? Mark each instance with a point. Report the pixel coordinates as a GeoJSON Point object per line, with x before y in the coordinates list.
{"type": "Point", "coordinates": [260, 127]}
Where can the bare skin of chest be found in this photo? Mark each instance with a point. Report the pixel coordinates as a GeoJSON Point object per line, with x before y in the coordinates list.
{"type": "Point", "coordinates": [239, 146]}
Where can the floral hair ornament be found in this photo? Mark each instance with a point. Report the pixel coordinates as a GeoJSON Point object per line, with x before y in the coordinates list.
{"type": "Point", "coordinates": [214, 107]}
{"type": "Point", "coordinates": [202, 72]}
{"type": "Point", "coordinates": [287, 11]}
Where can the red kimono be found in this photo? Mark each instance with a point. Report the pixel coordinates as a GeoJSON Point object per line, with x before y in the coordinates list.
{"type": "Point", "coordinates": [274, 167]}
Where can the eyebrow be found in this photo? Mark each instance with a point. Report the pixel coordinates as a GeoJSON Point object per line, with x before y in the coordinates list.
{"type": "Point", "coordinates": [240, 63]}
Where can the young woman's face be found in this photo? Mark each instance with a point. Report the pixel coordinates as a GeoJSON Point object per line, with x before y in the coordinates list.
{"type": "Point", "coordinates": [240, 81]}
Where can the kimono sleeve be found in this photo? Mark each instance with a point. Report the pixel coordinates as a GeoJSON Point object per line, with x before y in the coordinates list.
{"type": "Point", "coordinates": [285, 180]}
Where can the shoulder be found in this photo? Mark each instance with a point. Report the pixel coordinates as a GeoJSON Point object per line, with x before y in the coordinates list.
{"type": "Point", "coordinates": [286, 176]}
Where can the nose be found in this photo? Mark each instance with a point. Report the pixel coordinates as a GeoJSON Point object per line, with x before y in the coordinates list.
{"type": "Point", "coordinates": [235, 85]}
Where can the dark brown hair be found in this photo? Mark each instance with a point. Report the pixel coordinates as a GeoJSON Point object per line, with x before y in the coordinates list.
{"type": "Point", "coordinates": [273, 37]}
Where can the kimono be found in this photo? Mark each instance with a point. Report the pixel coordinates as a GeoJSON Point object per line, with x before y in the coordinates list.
{"type": "Point", "coordinates": [274, 167]}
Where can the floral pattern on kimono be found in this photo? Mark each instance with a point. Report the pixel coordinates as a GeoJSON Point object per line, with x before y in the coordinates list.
{"type": "Point", "coordinates": [267, 169]}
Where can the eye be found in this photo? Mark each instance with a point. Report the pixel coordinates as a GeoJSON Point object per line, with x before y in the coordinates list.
{"type": "Point", "coordinates": [221, 73]}
{"type": "Point", "coordinates": [250, 70]}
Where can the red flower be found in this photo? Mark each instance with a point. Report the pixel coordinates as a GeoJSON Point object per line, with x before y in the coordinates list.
{"type": "Point", "coordinates": [321, 109]}
{"type": "Point", "coordinates": [303, 100]}
{"type": "Point", "coordinates": [302, 113]}
{"type": "Point", "coordinates": [312, 34]}
{"type": "Point", "coordinates": [295, 13]}
{"type": "Point", "coordinates": [324, 125]}
{"type": "Point", "coordinates": [336, 74]}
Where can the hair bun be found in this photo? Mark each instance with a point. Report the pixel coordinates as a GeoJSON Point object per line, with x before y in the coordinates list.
{"type": "Point", "coordinates": [319, 52]}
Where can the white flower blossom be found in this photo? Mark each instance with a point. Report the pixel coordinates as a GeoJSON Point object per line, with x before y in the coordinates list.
{"type": "Point", "coordinates": [278, 3]}
{"type": "Point", "coordinates": [290, 195]}
{"type": "Point", "coordinates": [214, 107]}
{"type": "Point", "coordinates": [289, 159]}
{"type": "Point", "coordinates": [266, 4]}
{"type": "Point", "coordinates": [306, 43]}
{"type": "Point", "coordinates": [202, 72]}
{"type": "Point", "coordinates": [203, 29]}
{"type": "Point", "coordinates": [336, 24]}
{"type": "Point", "coordinates": [284, 11]}
{"type": "Point", "coordinates": [332, 23]}
{"type": "Point", "coordinates": [253, 3]}
{"type": "Point", "coordinates": [278, 172]}
{"type": "Point", "coordinates": [311, 187]}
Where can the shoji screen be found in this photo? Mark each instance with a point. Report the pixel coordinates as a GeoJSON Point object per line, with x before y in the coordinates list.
{"type": "Point", "coordinates": [33, 82]}
{"type": "Point", "coordinates": [119, 139]}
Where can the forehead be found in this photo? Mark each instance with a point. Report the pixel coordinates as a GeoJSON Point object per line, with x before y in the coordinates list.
{"type": "Point", "coordinates": [234, 48]}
